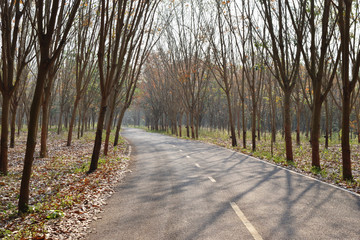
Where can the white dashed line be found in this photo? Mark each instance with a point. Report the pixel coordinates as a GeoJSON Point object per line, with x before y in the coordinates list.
{"type": "Point", "coordinates": [197, 165]}
{"type": "Point", "coordinates": [246, 222]}
{"type": "Point", "coordinates": [212, 180]}
{"type": "Point", "coordinates": [187, 156]}
{"type": "Point", "coordinates": [180, 150]}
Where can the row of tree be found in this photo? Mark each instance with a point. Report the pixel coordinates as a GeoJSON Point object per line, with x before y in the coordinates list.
{"type": "Point", "coordinates": [77, 56]}
{"type": "Point", "coordinates": [250, 56]}
{"type": "Point", "coordinates": [216, 63]}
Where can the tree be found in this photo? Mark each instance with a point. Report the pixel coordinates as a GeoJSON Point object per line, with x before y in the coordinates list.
{"type": "Point", "coordinates": [46, 16]}
{"type": "Point", "coordinates": [12, 13]}
{"type": "Point", "coordinates": [348, 82]}
{"type": "Point", "coordinates": [86, 42]}
{"type": "Point", "coordinates": [119, 25]}
{"type": "Point", "coordinates": [318, 61]}
{"type": "Point", "coordinates": [223, 70]}
{"type": "Point", "coordinates": [285, 56]}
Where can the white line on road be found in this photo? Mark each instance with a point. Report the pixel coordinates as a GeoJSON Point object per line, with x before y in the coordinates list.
{"type": "Point", "coordinates": [197, 165]}
{"type": "Point", "coordinates": [180, 150]}
{"type": "Point", "coordinates": [187, 156]}
{"type": "Point", "coordinates": [246, 222]}
{"type": "Point", "coordinates": [211, 179]}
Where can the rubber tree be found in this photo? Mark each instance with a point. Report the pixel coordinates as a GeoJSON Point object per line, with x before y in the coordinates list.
{"type": "Point", "coordinates": [285, 56]}
{"type": "Point", "coordinates": [120, 21]}
{"type": "Point", "coordinates": [221, 43]}
{"type": "Point", "coordinates": [86, 42]}
{"type": "Point", "coordinates": [187, 51]}
{"type": "Point", "coordinates": [45, 18]}
{"type": "Point", "coordinates": [349, 58]}
{"type": "Point", "coordinates": [11, 15]}
{"type": "Point", "coordinates": [317, 50]}
{"type": "Point", "coordinates": [140, 50]}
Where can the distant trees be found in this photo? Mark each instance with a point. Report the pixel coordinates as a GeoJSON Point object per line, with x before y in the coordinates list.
{"type": "Point", "coordinates": [276, 61]}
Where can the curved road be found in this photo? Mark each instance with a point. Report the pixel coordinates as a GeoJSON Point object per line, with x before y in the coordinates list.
{"type": "Point", "coordinates": [182, 189]}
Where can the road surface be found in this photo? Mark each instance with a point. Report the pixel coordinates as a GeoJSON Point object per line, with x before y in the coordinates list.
{"type": "Point", "coordinates": [182, 189]}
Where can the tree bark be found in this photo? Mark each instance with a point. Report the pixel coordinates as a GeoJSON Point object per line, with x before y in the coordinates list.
{"type": "Point", "coordinates": [31, 138]}
{"type": "Point", "coordinates": [44, 127]}
{"type": "Point", "coordinates": [60, 119]}
{"type": "Point", "coordinates": [4, 134]}
{"type": "Point", "coordinates": [253, 124]}
{"type": "Point", "coordinates": [287, 125]}
{"type": "Point", "coordinates": [345, 142]}
{"type": "Point", "coordinates": [72, 121]}
{"type": "Point", "coordinates": [231, 122]}
{"type": "Point", "coordinates": [118, 126]}
{"type": "Point", "coordinates": [326, 125]}
{"type": "Point", "coordinates": [108, 127]}
{"type": "Point", "coordinates": [99, 128]}
{"type": "Point", "coordinates": [13, 126]}
{"type": "Point", "coordinates": [315, 131]}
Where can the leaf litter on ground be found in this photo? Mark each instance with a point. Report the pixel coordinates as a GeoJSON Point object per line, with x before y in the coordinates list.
{"type": "Point", "coordinates": [64, 198]}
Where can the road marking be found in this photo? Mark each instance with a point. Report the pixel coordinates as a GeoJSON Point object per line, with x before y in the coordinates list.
{"type": "Point", "coordinates": [180, 150]}
{"type": "Point", "coordinates": [211, 179]}
{"type": "Point", "coordinates": [197, 165]}
{"type": "Point", "coordinates": [187, 156]}
{"type": "Point", "coordinates": [246, 222]}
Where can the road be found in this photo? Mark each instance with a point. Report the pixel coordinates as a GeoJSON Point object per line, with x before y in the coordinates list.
{"type": "Point", "coordinates": [183, 189]}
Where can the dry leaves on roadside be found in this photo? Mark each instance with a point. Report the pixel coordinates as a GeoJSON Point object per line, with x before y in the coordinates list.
{"type": "Point", "coordinates": [64, 199]}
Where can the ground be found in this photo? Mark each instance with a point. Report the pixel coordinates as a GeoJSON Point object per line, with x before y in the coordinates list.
{"type": "Point", "coordinates": [64, 199]}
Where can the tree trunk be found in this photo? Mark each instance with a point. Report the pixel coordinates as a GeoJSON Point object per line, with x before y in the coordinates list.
{"type": "Point", "coordinates": [72, 121]}
{"type": "Point", "coordinates": [31, 139]}
{"type": "Point", "coordinates": [60, 119]}
{"type": "Point", "coordinates": [298, 114]}
{"type": "Point", "coordinates": [243, 124]}
{"type": "Point", "coordinates": [20, 119]}
{"type": "Point", "coordinates": [315, 131]}
{"type": "Point", "coordinates": [253, 125]}
{"type": "Point", "coordinates": [287, 125]}
{"type": "Point", "coordinates": [345, 143]}
{"type": "Point", "coordinates": [108, 128]}
{"type": "Point", "coordinates": [118, 126]}
{"type": "Point", "coordinates": [231, 122]}
{"type": "Point", "coordinates": [99, 128]}
{"type": "Point", "coordinates": [238, 122]}
{"type": "Point", "coordinates": [44, 127]}
{"type": "Point", "coordinates": [13, 125]}
{"type": "Point", "coordinates": [79, 124]}
{"type": "Point", "coordinates": [327, 125]}
{"type": "Point", "coordinates": [187, 125]}
{"type": "Point", "coordinates": [180, 123]}
{"type": "Point", "coordinates": [192, 124]}
{"type": "Point", "coordinates": [4, 134]}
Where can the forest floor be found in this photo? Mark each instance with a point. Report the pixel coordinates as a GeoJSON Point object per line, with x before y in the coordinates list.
{"type": "Point", "coordinates": [64, 199]}
{"type": "Point", "coordinates": [331, 160]}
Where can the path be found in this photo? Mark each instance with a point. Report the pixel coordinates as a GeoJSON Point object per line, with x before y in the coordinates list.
{"type": "Point", "coordinates": [181, 189]}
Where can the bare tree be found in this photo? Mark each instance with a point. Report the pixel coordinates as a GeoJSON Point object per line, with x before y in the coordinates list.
{"type": "Point", "coordinates": [349, 58]}
{"type": "Point", "coordinates": [119, 25]}
{"type": "Point", "coordinates": [12, 13]}
{"type": "Point", "coordinates": [86, 41]}
{"type": "Point", "coordinates": [46, 16]}
{"type": "Point", "coordinates": [284, 54]}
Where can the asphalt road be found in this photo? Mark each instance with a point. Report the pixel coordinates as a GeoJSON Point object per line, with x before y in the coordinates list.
{"type": "Point", "coordinates": [182, 189]}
